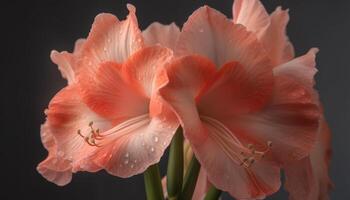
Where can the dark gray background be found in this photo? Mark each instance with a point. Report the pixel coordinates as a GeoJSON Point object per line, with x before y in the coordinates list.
{"type": "Point", "coordinates": [30, 29]}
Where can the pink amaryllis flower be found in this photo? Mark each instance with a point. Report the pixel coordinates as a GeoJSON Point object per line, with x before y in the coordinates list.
{"type": "Point", "coordinates": [110, 115]}
{"type": "Point", "coordinates": [241, 97]}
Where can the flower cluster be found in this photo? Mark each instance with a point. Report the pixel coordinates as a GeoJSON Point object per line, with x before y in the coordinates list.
{"type": "Point", "coordinates": [246, 104]}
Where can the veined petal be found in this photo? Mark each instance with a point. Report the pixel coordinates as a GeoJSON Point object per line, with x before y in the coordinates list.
{"type": "Point", "coordinates": [107, 93]}
{"type": "Point", "coordinates": [165, 35]}
{"type": "Point", "coordinates": [132, 146]}
{"type": "Point", "coordinates": [275, 39]}
{"type": "Point", "coordinates": [111, 39]}
{"type": "Point", "coordinates": [251, 14]}
{"type": "Point", "coordinates": [270, 30]}
{"type": "Point", "coordinates": [290, 122]}
{"type": "Point", "coordinates": [70, 122]}
{"type": "Point", "coordinates": [67, 62]}
{"type": "Point", "coordinates": [141, 68]}
{"type": "Point", "coordinates": [309, 178]}
{"type": "Point", "coordinates": [235, 90]}
{"type": "Point", "coordinates": [187, 76]}
{"type": "Point", "coordinates": [302, 69]}
{"type": "Point", "coordinates": [209, 33]}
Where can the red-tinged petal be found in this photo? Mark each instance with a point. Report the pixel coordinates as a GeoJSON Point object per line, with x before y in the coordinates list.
{"type": "Point", "coordinates": [209, 33]}
{"type": "Point", "coordinates": [187, 76]}
{"type": "Point", "coordinates": [65, 116]}
{"type": "Point", "coordinates": [290, 122]}
{"type": "Point", "coordinates": [141, 68]}
{"type": "Point", "coordinates": [251, 14]}
{"type": "Point", "coordinates": [309, 178]}
{"type": "Point", "coordinates": [111, 39]}
{"type": "Point", "coordinates": [132, 146]}
{"type": "Point", "coordinates": [165, 35]}
{"type": "Point", "coordinates": [275, 40]}
{"type": "Point", "coordinates": [302, 69]}
{"type": "Point", "coordinates": [106, 92]}
{"type": "Point", "coordinates": [222, 164]}
{"type": "Point", "coordinates": [235, 90]}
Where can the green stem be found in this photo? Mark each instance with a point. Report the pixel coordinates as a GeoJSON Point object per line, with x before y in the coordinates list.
{"type": "Point", "coordinates": [175, 166]}
{"type": "Point", "coordinates": [190, 179]}
{"type": "Point", "coordinates": [153, 185]}
{"type": "Point", "coordinates": [213, 194]}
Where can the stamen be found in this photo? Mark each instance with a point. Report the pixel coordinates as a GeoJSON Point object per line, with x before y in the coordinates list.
{"type": "Point", "coordinates": [245, 156]}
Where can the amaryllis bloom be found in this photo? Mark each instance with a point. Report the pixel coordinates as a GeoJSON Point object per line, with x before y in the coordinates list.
{"type": "Point", "coordinates": [110, 115]}
{"type": "Point", "coordinates": [246, 106]}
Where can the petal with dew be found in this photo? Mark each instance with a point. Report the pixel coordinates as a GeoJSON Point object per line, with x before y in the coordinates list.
{"type": "Point", "coordinates": [111, 39]}
{"type": "Point", "coordinates": [209, 33]}
{"type": "Point", "coordinates": [164, 35]}
{"type": "Point", "coordinates": [70, 121]}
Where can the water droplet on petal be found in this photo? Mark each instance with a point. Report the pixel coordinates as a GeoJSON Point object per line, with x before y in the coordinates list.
{"type": "Point", "coordinates": [105, 49]}
{"type": "Point", "coordinates": [156, 139]}
{"type": "Point", "coordinates": [132, 166]}
{"type": "Point", "coordinates": [135, 161]}
{"type": "Point", "coordinates": [152, 149]}
{"type": "Point", "coordinates": [126, 155]}
{"type": "Point", "coordinates": [164, 143]}
{"type": "Point", "coordinates": [126, 162]}
{"type": "Point", "coordinates": [201, 30]}
{"type": "Point", "coordinates": [109, 40]}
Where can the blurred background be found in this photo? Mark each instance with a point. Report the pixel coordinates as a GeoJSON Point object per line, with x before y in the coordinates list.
{"type": "Point", "coordinates": [31, 29]}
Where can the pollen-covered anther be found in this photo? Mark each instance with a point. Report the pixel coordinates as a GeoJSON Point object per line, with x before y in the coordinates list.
{"type": "Point", "coordinates": [253, 154]}
{"type": "Point", "coordinates": [92, 136]}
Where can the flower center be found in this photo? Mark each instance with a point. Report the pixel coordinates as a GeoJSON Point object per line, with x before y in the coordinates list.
{"type": "Point", "coordinates": [95, 138]}
{"type": "Point", "coordinates": [244, 155]}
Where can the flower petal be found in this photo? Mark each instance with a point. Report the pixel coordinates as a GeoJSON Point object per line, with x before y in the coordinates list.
{"type": "Point", "coordinates": [141, 68]}
{"type": "Point", "coordinates": [132, 150]}
{"type": "Point", "coordinates": [275, 40]}
{"type": "Point", "coordinates": [111, 39]}
{"type": "Point", "coordinates": [302, 69]}
{"type": "Point", "coordinates": [165, 35]}
{"type": "Point", "coordinates": [65, 116]}
{"type": "Point", "coordinates": [67, 62]}
{"type": "Point", "coordinates": [270, 30]}
{"type": "Point", "coordinates": [251, 14]}
{"type": "Point", "coordinates": [254, 182]}
{"type": "Point", "coordinates": [54, 168]}
{"type": "Point", "coordinates": [290, 122]}
{"type": "Point", "coordinates": [209, 33]}
{"type": "Point", "coordinates": [106, 92]}
{"type": "Point", "coordinates": [235, 90]}
{"type": "Point", "coordinates": [187, 76]}
{"type": "Point", "coordinates": [309, 178]}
